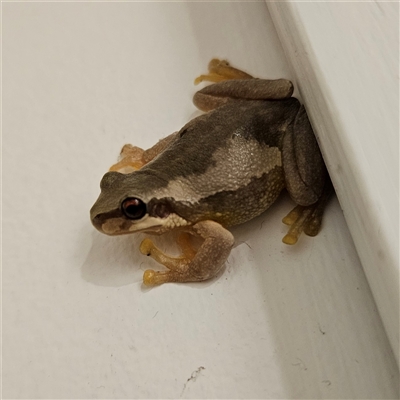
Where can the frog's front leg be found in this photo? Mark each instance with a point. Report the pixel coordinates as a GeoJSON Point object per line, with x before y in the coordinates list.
{"type": "Point", "coordinates": [306, 177]}
{"type": "Point", "coordinates": [133, 158]}
{"type": "Point", "coordinates": [191, 266]}
{"type": "Point", "coordinates": [233, 83]}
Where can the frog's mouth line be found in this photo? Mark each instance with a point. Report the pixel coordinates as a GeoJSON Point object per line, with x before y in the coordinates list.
{"type": "Point", "coordinates": [121, 226]}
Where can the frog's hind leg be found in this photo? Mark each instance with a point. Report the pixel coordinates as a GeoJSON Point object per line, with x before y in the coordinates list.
{"type": "Point", "coordinates": [307, 218]}
{"type": "Point", "coordinates": [191, 266]}
{"type": "Point", "coordinates": [306, 177]}
{"type": "Point", "coordinates": [133, 158]}
{"type": "Point", "coordinates": [232, 83]}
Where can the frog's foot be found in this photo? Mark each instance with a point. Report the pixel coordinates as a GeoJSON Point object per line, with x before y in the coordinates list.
{"type": "Point", "coordinates": [307, 218]}
{"type": "Point", "coordinates": [191, 266]}
{"type": "Point", "coordinates": [220, 70]}
{"type": "Point", "coordinates": [299, 220]}
{"type": "Point", "coordinates": [130, 159]}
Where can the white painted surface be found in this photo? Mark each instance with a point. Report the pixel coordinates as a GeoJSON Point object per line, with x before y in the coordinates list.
{"type": "Point", "coordinates": [346, 60]}
{"type": "Point", "coordinates": [80, 80]}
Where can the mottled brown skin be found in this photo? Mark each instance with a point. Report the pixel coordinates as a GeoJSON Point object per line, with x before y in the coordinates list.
{"type": "Point", "coordinates": [221, 169]}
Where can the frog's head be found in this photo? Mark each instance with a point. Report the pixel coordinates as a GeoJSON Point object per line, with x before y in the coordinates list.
{"type": "Point", "coordinates": [124, 203]}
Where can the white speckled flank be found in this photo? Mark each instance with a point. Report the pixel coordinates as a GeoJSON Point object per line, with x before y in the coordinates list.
{"type": "Point", "coordinates": [174, 221]}
{"type": "Point", "coordinates": [232, 167]}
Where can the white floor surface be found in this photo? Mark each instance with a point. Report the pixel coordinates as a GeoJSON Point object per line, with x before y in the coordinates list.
{"type": "Point", "coordinates": [79, 81]}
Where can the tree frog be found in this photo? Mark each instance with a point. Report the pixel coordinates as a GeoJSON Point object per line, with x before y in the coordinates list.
{"type": "Point", "coordinates": [221, 169]}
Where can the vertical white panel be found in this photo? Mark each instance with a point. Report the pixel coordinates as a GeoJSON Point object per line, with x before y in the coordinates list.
{"type": "Point", "coordinates": [346, 60]}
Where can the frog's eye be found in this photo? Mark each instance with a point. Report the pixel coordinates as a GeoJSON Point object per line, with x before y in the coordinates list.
{"type": "Point", "coordinates": [133, 208]}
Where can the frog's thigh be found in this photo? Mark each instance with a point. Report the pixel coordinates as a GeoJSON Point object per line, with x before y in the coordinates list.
{"type": "Point", "coordinates": [205, 264]}
{"type": "Point", "coordinates": [215, 95]}
{"type": "Point", "coordinates": [307, 180]}
{"type": "Point", "coordinates": [305, 171]}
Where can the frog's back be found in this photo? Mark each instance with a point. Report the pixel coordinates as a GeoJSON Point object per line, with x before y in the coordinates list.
{"type": "Point", "coordinates": [226, 165]}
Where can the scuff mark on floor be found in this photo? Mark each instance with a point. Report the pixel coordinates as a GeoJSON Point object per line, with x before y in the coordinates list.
{"type": "Point", "coordinates": [300, 364]}
{"type": "Point", "coordinates": [192, 378]}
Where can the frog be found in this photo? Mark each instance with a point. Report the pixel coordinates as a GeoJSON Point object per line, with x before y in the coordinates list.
{"type": "Point", "coordinates": [221, 169]}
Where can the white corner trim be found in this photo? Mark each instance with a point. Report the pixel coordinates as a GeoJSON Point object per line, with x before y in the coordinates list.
{"type": "Point", "coordinates": [345, 59]}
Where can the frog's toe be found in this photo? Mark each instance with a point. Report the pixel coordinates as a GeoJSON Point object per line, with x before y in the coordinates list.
{"type": "Point", "coordinates": [307, 218]}
{"type": "Point", "coordinates": [152, 278]}
{"type": "Point", "coordinates": [299, 220]}
{"type": "Point", "coordinates": [146, 247]}
{"type": "Point", "coordinates": [313, 225]}
{"type": "Point", "coordinates": [149, 277]}
{"type": "Point", "coordinates": [293, 216]}
{"type": "Point", "coordinates": [291, 238]}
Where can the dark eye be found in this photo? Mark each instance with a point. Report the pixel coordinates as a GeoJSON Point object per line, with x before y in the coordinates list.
{"type": "Point", "coordinates": [133, 208]}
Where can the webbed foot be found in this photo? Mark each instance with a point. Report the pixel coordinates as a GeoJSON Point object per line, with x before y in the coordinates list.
{"type": "Point", "coordinates": [220, 70]}
{"type": "Point", "coordinates": [307, 218]}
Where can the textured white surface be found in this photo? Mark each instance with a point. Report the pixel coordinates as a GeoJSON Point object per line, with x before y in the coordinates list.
{"type": "Point", "coordinates": [79, 81]}
{"type": "Point", "coordinates": [346, 60]}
